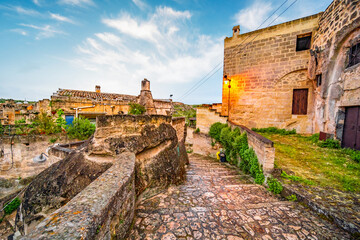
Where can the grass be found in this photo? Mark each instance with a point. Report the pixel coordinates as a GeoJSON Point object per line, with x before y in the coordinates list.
{"type": "Point", "coordinates": [307, 163]}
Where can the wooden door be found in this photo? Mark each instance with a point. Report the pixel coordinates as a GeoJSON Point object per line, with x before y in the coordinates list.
{"type": "Point", "coordinates": [351, 137]}
{"type": "Point", "coordinates": [300, 101]}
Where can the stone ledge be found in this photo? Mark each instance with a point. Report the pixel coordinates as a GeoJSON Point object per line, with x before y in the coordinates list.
{"type": "Point", "coordinates": [104, 209]}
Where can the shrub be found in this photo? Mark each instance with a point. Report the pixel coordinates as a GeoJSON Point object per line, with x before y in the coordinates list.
{"type": "Point", "coordinates": [274, 130]}
{"type": "Point", "coordinates": [12, 206]}
{"type": "Point", "coordinates": [60, 121]}
{"type": "Point", "coordinates": [215, 130]}
{"type": "Point", "coordinates": [1, 129]}
{"type": "Point", "coordinates": [136, 109]}
{"type": "Point", "coordinates": [330, 143]}
{"type": "Point", "coordinates": [355, 156]}
{"type": "Point", "coordinates": [197, 130]}
{"type": "Point", "coordinates": [44, 124]}
{"type": "Point", "coordinates": [292, 198]}
{"type": "Point", "coordinates": [274, 185]}
{"type": "Point", "coordinates": [81, 129]}
{"type": "Point", "coordinates": [314, 138]}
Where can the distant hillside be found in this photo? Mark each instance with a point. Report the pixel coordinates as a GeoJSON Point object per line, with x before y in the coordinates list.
{"type": "Point", "coordinates": [184, 110]}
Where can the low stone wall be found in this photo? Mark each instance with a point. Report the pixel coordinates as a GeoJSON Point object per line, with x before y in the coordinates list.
{"type": "Point", "coordinates": [179, 125]}
{"type": "Point", "coordinates": [205, 118]}
{"type": "Point", "coordinates": [263, 147]}
{"type": "Point", "coordinates": [103, 210]}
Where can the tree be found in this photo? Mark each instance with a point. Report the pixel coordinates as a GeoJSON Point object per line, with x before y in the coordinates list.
{"type": "Point", "coordinates": [81, 129]}
{"type": "Point", "coordinates": [136, 109]}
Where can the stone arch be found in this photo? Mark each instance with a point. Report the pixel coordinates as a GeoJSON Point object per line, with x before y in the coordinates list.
{"type": "Point", "coordinates": [294, 79]}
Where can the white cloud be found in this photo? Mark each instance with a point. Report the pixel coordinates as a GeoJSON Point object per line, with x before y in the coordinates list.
{"type": "Point", "coordinates": [45, 31]}
{"type": "Point", "coordinates": [60, 18]}
{"type": "Point", "coordinates": [19, 31]}
{"type": "Point", "coordinates": [36, 2]}
{"type": "Point", "coordinates": [162, 48]}
{"type": "Point", "coordinates": [140, 4]}
{"type": "Point", "coordinates": [25, 11]}
{"type": "Point", "coordinates": [77, 2]}
{"type": "Point", "coordinates": [250, 18]}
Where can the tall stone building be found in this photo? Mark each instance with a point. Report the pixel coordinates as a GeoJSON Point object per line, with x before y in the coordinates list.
{"type": "Point", "coordinates": [303, 74]}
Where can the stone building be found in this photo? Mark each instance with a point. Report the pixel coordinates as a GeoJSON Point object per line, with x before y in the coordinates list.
{"type": "Point", "coordinates": [303, 74]}
{"type": "Point", "coordinates": [10, 111]}
{"type": "Point", "coordinates": [92, 104]}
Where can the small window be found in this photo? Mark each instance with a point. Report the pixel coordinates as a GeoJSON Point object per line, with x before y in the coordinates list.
{"type": "Point", "coordinates": [318, 80]}
{"type": "Point", "coordinates": [354, 55]}
{"type": "Point", "coordinates": [303, 42]}
{"type": "Point", "coordinates": [300, 101]}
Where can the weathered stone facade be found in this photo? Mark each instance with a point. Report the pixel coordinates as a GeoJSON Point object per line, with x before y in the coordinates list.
{"type": "Point", "coordinates": [265, 68]}
{"type": "Point", "coordinates": [206, 115]}
{"type": "Point", "coordinates": [339, 29]}
{"type": "Point", "coordinates": [94, 188]}
{"type": "Point", "coordinates": [11, 111]}
{"type": "Point", "coordinates": [92, 104]}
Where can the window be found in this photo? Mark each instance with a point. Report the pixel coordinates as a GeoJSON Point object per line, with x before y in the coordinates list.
{"type": "Point", "coordinates": [318, 80]}
{"type": "Point", "coordinates": [354, 55]}
{"type": "Point", "coordinates": [300, 100]}
{"type": "Point", "coordinates": [303, 42]}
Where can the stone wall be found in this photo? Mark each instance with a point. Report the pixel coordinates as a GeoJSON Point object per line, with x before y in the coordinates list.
{"type": "Point", "coordinates": [264, 68]}
{"type": "Point", "coordinates": [263, 147]}
{"type": "Point", "coordinates": [339, 29]}
{"type": "Point", "coordinates": [19, 162]}
{"type": "Point", "coordinates": [103, 210]}
{"type": "Point", "coordinates": [95, 186]}
{"type": "Point", "coordinates": [205, 118]}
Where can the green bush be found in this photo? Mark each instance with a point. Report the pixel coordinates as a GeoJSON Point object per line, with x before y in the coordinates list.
{"type": "Point", "coordinates": [292, 198]}
{"type": "Point", "coordinates": [60, 121]}
{"type": "Point", "coordinates": [274, 185]}
{"type": "Point", "coordinates": [354, 154]}
{"type": "Point", "coordinates": [274, 130]}
{"type": "Point", "coordinates": [197, 130]}
{"type": "Point", "coordinates": [136, 109]}
{"type": "Point", "coordinates": [215, 130]}
{"type": "Point", "coordinates": [1, 129]}
{"type": "Point", "coordinates": [329, 143]}
{"type": "Point", "coordinates": [44, 124]}
{"type": "Point", "coordinates": [314, 138]}
{"type": "Point", "coordinates": [12, 206]}
{"type": "Point", "coordinates": [81, 129]}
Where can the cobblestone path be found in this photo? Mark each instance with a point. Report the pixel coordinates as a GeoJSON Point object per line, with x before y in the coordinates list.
{"type": "Point", "coordinates": [218, 202]}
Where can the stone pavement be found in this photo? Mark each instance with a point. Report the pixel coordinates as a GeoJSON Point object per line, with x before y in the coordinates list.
{"type": "Point", "coordinates": [218, 202]}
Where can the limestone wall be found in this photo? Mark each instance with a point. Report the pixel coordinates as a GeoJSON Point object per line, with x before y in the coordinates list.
{"type": "Point", "coordinates": [263, 147]}
{"type": "Point", "coordinates": [339, 29]}
{"type": "Point", "coordinates": [179, 125]}
{"type": "Point", "coordinates": [264, 68]}
{"type": "Point", "coordinates": [103, 210]}
{"type": "Point", "coordinates": [205, 118]}
{"type": "Point", "coordinates": [19, 162]}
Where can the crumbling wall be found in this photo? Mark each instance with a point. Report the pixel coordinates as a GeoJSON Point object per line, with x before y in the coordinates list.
{"type": "Point", "coordinates": [151, 138]}
{"type": "Point", "coordinates": [264, 68]}
{"type": "Point", "coordinates": [179, 125]}
{"type": "Point", "coordinates": [103, 210]}
{"type": "Point", "coordinates": [339, 28]}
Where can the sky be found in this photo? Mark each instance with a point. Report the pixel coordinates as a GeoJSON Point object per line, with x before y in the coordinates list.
{"type": "Point", "coordinates": [176, 44]}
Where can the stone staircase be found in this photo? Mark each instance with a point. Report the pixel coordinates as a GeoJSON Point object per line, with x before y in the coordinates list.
{"type": "Point", "coordinates": [217, 201]}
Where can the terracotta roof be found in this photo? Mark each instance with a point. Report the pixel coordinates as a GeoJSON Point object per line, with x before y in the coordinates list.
{"type": "Point", "coordinates": [94, 95]}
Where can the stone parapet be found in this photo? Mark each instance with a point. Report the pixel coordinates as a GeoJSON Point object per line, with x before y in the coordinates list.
{"type": "Point", "coordinates": [103, 210]}
{"type": "Point", "coordinates": [263, 147]}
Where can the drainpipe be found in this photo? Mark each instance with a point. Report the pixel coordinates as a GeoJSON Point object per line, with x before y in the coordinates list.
{"type": "Point", "coordinates": [79, 108]}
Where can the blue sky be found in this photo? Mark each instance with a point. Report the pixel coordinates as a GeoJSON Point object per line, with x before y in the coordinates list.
{"type": "Point", "coordinates": [77, 44]}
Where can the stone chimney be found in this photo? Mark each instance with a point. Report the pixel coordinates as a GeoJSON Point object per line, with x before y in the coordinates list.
{"type": "Point", "coordinates": [236, 30]}
{"type": "Point", "coordinates": [97, 88]}
{"type": "Point", "coordinates": [145, 85]}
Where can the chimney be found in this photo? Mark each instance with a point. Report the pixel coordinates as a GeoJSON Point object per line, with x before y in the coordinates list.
{"type": "Point", "coordinates": [145, 85]}
{"type": "Point", "coordinates": [97, 88]}
{"type": "Point", "coordinates": [236, 30]}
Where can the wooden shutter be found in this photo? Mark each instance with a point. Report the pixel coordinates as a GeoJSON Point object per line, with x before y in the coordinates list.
{"type": "Point", "coordinates": [300, 100]}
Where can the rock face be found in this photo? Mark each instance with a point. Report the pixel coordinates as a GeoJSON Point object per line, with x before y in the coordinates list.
{"type": "Point", "coordinates": [151, 138]}
{"type": "Point", "coordinates": [55, 186]}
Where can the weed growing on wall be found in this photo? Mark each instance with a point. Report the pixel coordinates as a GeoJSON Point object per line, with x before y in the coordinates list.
{"type": "Point", "coordinates": [12, 206]}
{"type": "Point", "coordinates": [237, 150]}
{"type": "Point", "coordinates": [274, 130]}
{"type": "Point", "coordinates": [274, 185]}
{"type": "Point", "coordinates": [292, 198]}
